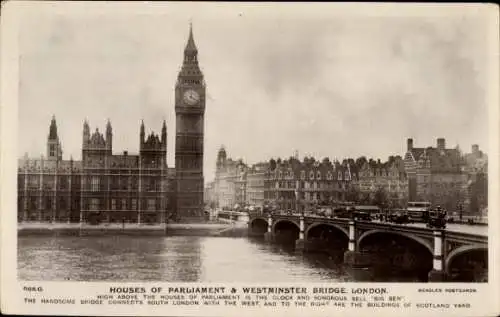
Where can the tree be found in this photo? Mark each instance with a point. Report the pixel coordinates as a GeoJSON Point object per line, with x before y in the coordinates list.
{"type": "Point", "coordinates": [394, 200]}
{"type": "Point", "coordinates": [365, 199]}
{"type": "Point", "coordinates": [351, 162]}
{"type": "Point", "coordinates": [380, 198]}
{"type": "Point", "coordinates": [272, 164]}
{"type": "Point", "coordinates": [353, 194]}
{"type": "Point", "coordinates": [360, 161]}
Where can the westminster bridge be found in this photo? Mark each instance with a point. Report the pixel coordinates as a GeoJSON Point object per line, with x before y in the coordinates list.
{"type": "Point", "coordinates": [458, 253]}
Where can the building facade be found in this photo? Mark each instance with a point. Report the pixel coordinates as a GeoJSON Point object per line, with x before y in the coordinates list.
{"type": "Point", "coordinates": [437, 174]}
{"type": "Point", "coordinates": [388, 177]}
{"type": "Point", "coordinates": [135, 188]}
{"type": "Point", "coordinates": [308, 182]}
{"type": "Point", "coordinates": [209, 196]}
{"type": "Point", "coordinates": [230, 181]}
{"type": "Point", "coordinates": [255, 185]}
{"type": "Point", "coordinates": [476, 167]}
{"type": "Point", "coordinates": [124, 187]}
{"type": "Point", "coordinates": [102, 187]}
{"type": "Point", "coordinates": [190, 96]}
{"type": "Point", "coordinates": [49, 187]}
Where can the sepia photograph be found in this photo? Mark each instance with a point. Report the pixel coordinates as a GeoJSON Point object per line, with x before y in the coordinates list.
{"type": "Point", "coordinates": [212, 143]}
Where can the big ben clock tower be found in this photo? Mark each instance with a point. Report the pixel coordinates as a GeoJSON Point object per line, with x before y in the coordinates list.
{"type": "Point", "coordinates": [189, 112]}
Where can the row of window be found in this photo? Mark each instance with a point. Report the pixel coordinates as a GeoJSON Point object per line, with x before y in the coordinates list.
{"type": "Point", "coordinates": [312, 175]}
{"type": "Point", "coordinates": [381, 173]}
{"type": "Point", "coordinates": [47, 203]}
{"type": "Point", "coordinates": [149, 204]}
{"type": "Point", "coordinates": [94, 181]}
{"type": "Point", "coordinates": [307, 185]}
{"type": "Point", "coordinates": [148, 184]}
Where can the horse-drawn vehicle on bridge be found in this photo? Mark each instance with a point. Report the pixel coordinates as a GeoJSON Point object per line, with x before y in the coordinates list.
{"type": "Point", "coordinates": [437, 218]}
{"type": "Point", "coordinates": [399, 216]}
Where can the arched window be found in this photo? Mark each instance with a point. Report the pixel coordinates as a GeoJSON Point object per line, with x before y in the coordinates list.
{"type": "Point", "coordinates": [311, 174]}
{"type": "Point", "coordinates": [302, 175]}
{"type": "Point", "coordinates": [318, 175]}
{"type": "Point", "coordinates": [329, 176]}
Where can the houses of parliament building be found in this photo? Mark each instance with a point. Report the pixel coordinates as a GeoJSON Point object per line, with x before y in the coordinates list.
{"type": "Point", "coordinates": [107, 187]}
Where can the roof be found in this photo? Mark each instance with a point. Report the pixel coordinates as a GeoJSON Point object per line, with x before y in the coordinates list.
{"type": "Point", "coordinates": [447, 160]}
{"type": "Point", "coordinates": [191, 46]}
{"type": "Point", "coordinates": [366, 207]}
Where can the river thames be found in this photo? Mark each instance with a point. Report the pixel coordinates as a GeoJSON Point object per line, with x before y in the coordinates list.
{"type": "Point", "coordinates": [173, 259]}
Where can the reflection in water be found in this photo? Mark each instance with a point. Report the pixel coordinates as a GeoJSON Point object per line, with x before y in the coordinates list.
{"type": "Point", "coordinates": [184, 259]}
{"type": "Point", "coordinates": [176, 259]}
{"type": "Point", "coordinates": [109, 258]}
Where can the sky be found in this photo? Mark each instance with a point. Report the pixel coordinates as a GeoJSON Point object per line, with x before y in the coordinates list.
{"type": "Point", "coordinates": [323, 82]}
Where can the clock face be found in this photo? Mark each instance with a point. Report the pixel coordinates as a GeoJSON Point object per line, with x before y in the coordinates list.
{"type": "Point", "coordinates": [191, 97]}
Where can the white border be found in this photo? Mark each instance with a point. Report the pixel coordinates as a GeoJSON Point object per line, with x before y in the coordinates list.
{"type": "Point", "coordinates": [484, 301]}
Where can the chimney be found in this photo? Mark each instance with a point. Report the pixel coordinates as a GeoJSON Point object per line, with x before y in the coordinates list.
{"type": "Point", "coordinates": [409, 144]}
{"type": "Point", "coordinates": [125, 153]}
{"type": "Point", "coordinates": [441, 144]}
{"type": "Point", "coordinates": [475, 148]}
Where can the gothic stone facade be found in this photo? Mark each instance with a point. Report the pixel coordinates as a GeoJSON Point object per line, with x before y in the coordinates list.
{"type": "Point", "coordinates": [124, 187]}
{"type": "Point", "coordinates": [135, 188]}
{"type": "Point", "coordinates": [100, 187]}
{"type": "Point", "coordinates": [49, 187]}
{"type": "Point", "coordinates": [189, 110]}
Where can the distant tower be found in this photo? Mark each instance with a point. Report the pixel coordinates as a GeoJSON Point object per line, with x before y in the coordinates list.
{"type": "Point", "coordinates": [96, 146]}
{"type": "Point", "coordinates": [54, 149]}
{"type": "Point", "coordinates": [142, 136]}
{"type": "Point", "coordinates": [221, 158]}
{"type": "Point", "coordinates": [109, 138]}
{"type": "Point", "coordinates": [86, 134]}
{"type": "Point", "coordinates": [189, 111]}
{"type": "Point", "coordinates": [164, 135]}
{"type": "Point", "coordinates": [153, 149]}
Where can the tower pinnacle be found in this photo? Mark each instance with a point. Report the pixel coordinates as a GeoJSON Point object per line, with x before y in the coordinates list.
{"type": "Point", "coordinates": [190, 46]}
{"type": "Point", "coordinates": [53, 129]}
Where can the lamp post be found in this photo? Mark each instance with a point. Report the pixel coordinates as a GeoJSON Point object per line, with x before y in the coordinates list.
{"type": "Point", "coordinates": [297, 200]}
{"type": "Point", "coordinates": [300, 243]}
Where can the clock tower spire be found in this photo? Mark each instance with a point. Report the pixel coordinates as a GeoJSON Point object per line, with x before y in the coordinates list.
{"type": "Point", "coordinates": [189, 134]}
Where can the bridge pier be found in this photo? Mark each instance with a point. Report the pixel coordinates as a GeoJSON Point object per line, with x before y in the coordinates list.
{"type": "Point", "coordinates": [437, 274]}
{"type": "Point", "coordinates": [268, 236]}
{"type": "Point", "coordinates": [353, 257]}
{"type": "Point", "coordinates": [300, 244]}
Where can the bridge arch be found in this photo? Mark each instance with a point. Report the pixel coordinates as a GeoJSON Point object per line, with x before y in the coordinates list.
{"type": "Point", "coordinates": [463, 250]}
{"type": "Point", "coordinates": [419, 240]}
{"type": "Point", "coordinates": [283, 222]}
{"type": "Point", "coordinates": [258, 219]}
{"type": "Point", "coordinates": [316, 224]}
{"type": "Point", "coordinates": [258, 225]}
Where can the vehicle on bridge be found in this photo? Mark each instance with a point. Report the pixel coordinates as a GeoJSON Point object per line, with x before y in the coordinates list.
{"type": "Point", "coordinates": [341, 212]}
{"type": "Point", "coordinates": [399, 216]}
{"type": "Point", "coordinates": [418, 211]}
{"type": "Point", "coordinates": [365, 213]}
{"type": "Point", "coordinates": [437, 218]}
